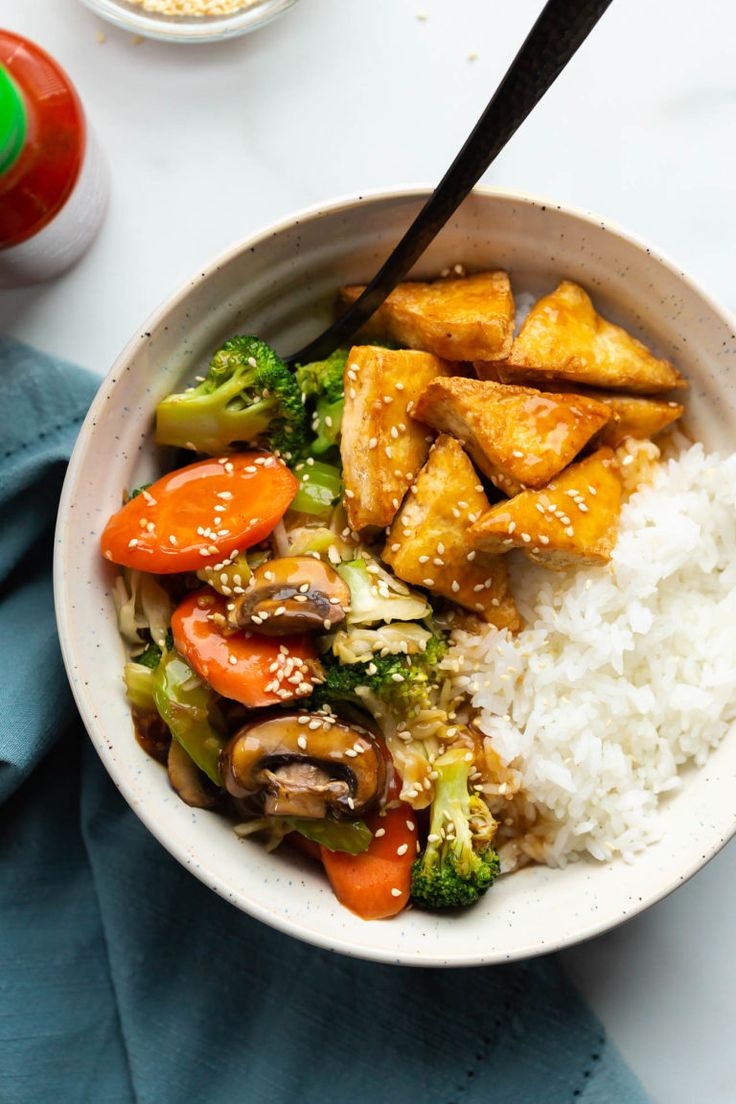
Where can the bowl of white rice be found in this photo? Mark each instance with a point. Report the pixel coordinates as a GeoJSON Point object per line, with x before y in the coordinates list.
{"type": "Point", "coordinates": [611, 712]}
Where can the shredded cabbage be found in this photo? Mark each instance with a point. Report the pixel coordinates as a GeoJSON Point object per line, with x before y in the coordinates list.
{"type": "Point", "coordinates": [141, 603]}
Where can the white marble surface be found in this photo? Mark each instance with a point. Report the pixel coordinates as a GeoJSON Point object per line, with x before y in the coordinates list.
{"type": "Point", "coordinates": [209, 143]}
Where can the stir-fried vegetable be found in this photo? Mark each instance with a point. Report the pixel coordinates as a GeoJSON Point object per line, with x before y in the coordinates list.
{"type": "Point", "coordinates": [187, 706]}
{"type": "Point", "coordinates": [459, 863]}
{"type": "Point", "coordinates": [402, 681]}
{"type": "Point", "coordinates": [376, 595]}
{"type": "Point", "coordinates": [376, 884]}
{"type": "Point", "coordinates": [321, 383]}
{"type": "Point", "coordinates": [248, 668]}
{"type": "Point", "coordinates": [320, 486]}
{"type": "Point", "coordinates": [200, 515]}
{"type": "Point", "coordinates": [352, 837]}
{"type": "Point", "coordinates": [249, 395]}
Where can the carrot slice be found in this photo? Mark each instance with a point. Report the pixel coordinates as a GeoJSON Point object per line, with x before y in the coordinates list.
{"type": "Point", "coordinates": [255, 670]}
{"type": "Point", "coordinates": [376, 883]}
{"type": "Point", "coordinates": [198, 515]}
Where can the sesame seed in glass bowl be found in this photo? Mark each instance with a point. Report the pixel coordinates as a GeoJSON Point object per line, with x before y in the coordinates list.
{"type": "Point", "coordinates": [189, 21]}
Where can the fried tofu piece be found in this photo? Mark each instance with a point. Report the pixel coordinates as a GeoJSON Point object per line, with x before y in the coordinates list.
{"type": "Point", "coordinates": [571, 521]}
{"type": "Point", "coordinates": [519, 437]}
{"type": "Point", "coordinates": [381, 446]}
{"type": "Point", "coordinates": [564, 338]}
{"type": "Point", "coordinates": [428, 542]}
{"type": "Point", "coordinates": [470, 318]}
{"type": "Point", "coordinates": [633, 416]}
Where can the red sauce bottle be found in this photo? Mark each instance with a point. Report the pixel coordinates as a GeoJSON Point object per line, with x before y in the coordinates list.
{"type": "Point", "coordinates": [53, 182]}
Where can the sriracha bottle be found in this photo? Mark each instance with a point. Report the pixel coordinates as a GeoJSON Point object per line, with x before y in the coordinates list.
{"type": "Point", "coordinates": [53, 182]}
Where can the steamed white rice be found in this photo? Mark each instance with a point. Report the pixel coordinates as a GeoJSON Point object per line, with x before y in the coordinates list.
{"type": "Point", "coordinates": [622, 674]}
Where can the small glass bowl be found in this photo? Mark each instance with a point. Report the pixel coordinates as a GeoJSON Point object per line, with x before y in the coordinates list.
{"type": "Point", "coordinates": [188, 28]}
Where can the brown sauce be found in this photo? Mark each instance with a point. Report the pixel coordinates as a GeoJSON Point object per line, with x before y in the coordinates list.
{"type": "Point", "coordinates": [152, 734]}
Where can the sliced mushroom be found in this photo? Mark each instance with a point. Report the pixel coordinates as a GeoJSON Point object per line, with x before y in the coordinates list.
{"type": "Point", "coordinates": [306, 765]}
{"type": "Point", "coordinates": [192, 785]}
{"type": "Point", "coordinates": [294, 594]}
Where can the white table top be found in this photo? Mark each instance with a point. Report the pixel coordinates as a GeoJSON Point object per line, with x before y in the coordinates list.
{"type": "Point", "coordinates": [207, 144]}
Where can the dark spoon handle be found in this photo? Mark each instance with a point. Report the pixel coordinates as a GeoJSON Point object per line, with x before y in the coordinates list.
{"type": "Point", "coordinates": [561, 28]}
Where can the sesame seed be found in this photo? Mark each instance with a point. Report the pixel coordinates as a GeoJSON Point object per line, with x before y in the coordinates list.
{"type": "Point", "coordinates": [397, 678]}
{"type": "Point", "coordinates": [351, 753]}
{"type": "Point", "coordinates": [428, 582]}
{"type": "Point", "coordinates": [302, 741]}
{"type": "Point", "coordinates": [395, 503]}
{"type": "Point", "coordinates": [592, 490]}
{"type": "Point", "coordinates": [570, 531]}
{"type": "Point", "coordinates": [583, 508]}
{"type": "Point", "coordinates": [132, 542]}
{"type": "Point", "coordinates": [526, 538]}
{"type": "Point", "coordinates": [512, 526]}
{"type": "Point", "coordinates": [402, 849]}
{"type": "Point", "coordinates": [232, 660]}
{"type": "Point", "coordinates": [349, 493]}
{"type": "Point", "coordinates": [471, 556]}
{"type": "Point", "coordinates": [387, 399]}
{"type": "Point", "coordinates": [423, 559]}
{"type": "Point", "coordinates": [373, 443]}
{"type": "Point", "coordinates": [314, 725]}
{"type": "Point", "coordinates": [455, 586]}
{"type": "Point", "coordinates": [395, 892]}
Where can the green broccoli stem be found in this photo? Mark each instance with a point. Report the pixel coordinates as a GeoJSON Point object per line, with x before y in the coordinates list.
{"type": "Point", "coordinates": [451, 808]}
{"type": "Point", "coordinates": [207, 424]}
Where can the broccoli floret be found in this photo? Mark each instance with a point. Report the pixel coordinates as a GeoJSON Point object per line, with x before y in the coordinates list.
{"type": "Point", "coordinates": [138, 490]}
{"type": "Point", "coordinates": [400, 681]}
{"type": "Point", "coordinates": [324, 378]}
{"type": "Point", "coordinates": [459, 864]}
{"type": "Point", "coordinates": [321, 383]}
{"type": "Point", "coordinates": [248, 395]}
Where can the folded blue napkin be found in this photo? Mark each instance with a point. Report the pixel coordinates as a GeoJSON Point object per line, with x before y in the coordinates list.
{"type": "Point", "coordinates": [123, 979]}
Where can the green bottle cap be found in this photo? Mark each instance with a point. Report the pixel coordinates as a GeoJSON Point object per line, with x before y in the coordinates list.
{"type": "Point", "coordinates": [13, 121]}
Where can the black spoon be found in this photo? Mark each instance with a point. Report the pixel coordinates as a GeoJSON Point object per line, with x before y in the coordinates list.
{"type": "Point", "coordinates": [561, 28]}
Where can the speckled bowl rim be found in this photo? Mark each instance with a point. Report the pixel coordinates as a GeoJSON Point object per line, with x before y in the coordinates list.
{"type": "Point", "coordinates": [580, 932]}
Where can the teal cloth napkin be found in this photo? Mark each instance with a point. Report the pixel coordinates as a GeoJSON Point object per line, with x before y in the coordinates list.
{"type": "Point", "coordinates": [123, 979]}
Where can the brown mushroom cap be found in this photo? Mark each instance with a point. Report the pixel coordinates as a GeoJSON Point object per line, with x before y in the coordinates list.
{"type": "Point", "coordinates": [306, 765]}
{"type": "Point", "coordinates": [294, 594]}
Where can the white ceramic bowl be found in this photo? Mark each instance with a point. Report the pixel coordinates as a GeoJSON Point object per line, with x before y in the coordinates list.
{"type": "Point", "coordinates": [280, 284]}
{"type": "Point", "coordinates": [187, 29]}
